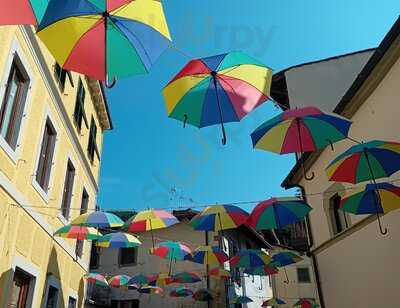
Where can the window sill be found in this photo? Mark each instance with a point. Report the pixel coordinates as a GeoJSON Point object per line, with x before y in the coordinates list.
{"type": "Point", "coordinates": [127, 265]}
{"type": "Point", "coordinates": [40, 191]}
{"type": "Point", "coordinates": [63, 220]}
{"type": "Point", "coordinates": [12, 154]}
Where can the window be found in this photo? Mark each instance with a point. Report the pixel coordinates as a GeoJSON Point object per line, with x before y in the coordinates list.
{"type": "Point", "coordinates": [233, 248]}
{"type": "Point", "coordinates": [20, 289]}
{"type": "Point", "coordinates": [133, 303]}
{"type": "Point", "coordinates": [92, 146]}
{"type": "Point", "coordinates": [94, 256]}
{"type": "Point", "coordinates": [52, 297]}
{"type": "Point", "coordinates": [84, 207]}
{"type": "Point", "coordinates": [303, 275]}
{"type": "Point", "coordinates": [338, 217]}
{"type": "Point", "coordinates": [127, 256]}
{"type": "Point", "coordinates": [71, 302]}
{"type": "Point", "coordinates": [68, 187]}
{"type": "Point", "coordinates": [46, 156]}
{"type": "Point", "coordinates": [79, 111]}
{"type": "Point", "coordinates": [13, 104]}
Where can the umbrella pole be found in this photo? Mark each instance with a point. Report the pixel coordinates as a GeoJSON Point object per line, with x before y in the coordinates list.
{"type": "Point", "coordinates": [307, 178]}
{"type": "Point", "coordinates": [377, 197]}
{"type": "Point", "coordinates": [170, 262]}
{"type": "Point", "coordinates": [106, 15]}
{"type": "Point", "coordinates": [151, 231]}
{"type": "Point", "coordinates": [286, 275]}
{"type": "Point", "coordinates": [208, 278]}
{"type": "Point", "coordinates": [222, 231]}
{"type": "Point", "coordinates": [214, 74]}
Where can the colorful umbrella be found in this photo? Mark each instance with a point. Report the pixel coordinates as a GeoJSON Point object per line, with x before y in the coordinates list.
{"type": "Point", "coordinates": [283, 259]}
{"type": "Point", "coordinates": [119, 281]}
{"type": "Point", "coordinates": [219, 273]}
{"type": "Point", "coordinates": [250, 258]}
{"type": "Point", "coordinates": [22, 12]}
{"type": "Point", "coordinates": [186, 277]}
{"type": "Point", "coordinates": [160, 280]}
{"type": "Point", "coordinates": [261, 271]}
{"type": "Point", "coordinates": [273, 302]}
{"type": "Point", "coordinates": [241, 300]}
{"type": "Point", "coordinates": [181, 292]}
{"type": "Point", "coordinates": [150, 290]}
{"type": "Point", "coordinates": [306, 303]}
{"type": "Point", "coordinates": [366, 161]}
{"type": "Point", "coordinates": [219, 217]}
{"type": "Point", "coordinates": [129, 36]}
{"type": "Point", "coordinates": [301, 130]}
{"type": "Point", "coordinates": [209, 255]}
{"type": "Point", "coordinates": [98, 220]}
{"type": "Point", "coordinates": [96, 279]}
{"type": "Point", "coordinates": [78, 233]}
{"type": "Point", "coordinates": [202, 295]}
{"type": "Point", "coordinates": [217, 90]}
{"type": "Point", "coordinates": [139, 279]}
{"type": "Point", "coordinates": [150, 220]}
{"type": "Point", "coordinates": [118, 240]}
{"type": "Point", "coordinates": [276, 213]}
{"type": "Point", "coordinates": [171, 251]}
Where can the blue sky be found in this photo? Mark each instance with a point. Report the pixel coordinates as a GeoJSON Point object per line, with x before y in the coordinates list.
{"type": "Point", "coordinates": [150, 160]}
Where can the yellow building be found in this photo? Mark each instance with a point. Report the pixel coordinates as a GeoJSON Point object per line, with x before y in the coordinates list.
{"type": "Point", "coordinates": [51, 136]}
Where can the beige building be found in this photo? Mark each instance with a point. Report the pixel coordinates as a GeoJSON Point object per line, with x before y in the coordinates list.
{"type": "Point", "coordinates": [354, 265]}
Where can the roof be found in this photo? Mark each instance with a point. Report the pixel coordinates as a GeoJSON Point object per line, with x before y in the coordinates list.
{"type": "Point", "coordinates": [100, 103]}
{"type": "Point", "coordinates": [361, 79]}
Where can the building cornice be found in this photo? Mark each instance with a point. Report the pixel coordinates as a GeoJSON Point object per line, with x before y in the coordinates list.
{"type": "Point", "coordinates": [100, 103]}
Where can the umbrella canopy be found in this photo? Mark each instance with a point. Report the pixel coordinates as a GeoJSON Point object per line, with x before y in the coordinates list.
{"type": "Point", "coordinates": [202, 295]}
{"type": "Point", "coordinates": [78, 233]}
{"type": "Point", "coordinates": [129, 35]}
{"type": "Point", "coordinates": [306, 303]}
{"type": "Point", "coordinates": [276, 213]}
{"type": "Point", "coordinates": [261, 271]}
{"type": "Point", "coordinates": [96, 279]}
{"type": "Point", "coordinates": [219, 273]}
{"type": "Point", "coordinates": [171, 250]}
{"type": "Point", "coordinates": [150, 290]}
{"type": "Point", "coordinates": [273, 302]}
{"type": "Point", "coordinates": [219, 217]}
{"type": "Point", "coordinates": [181, 292]}
{"type": "Point", "coordinates": [250, 258]}
{"type": "Point", "coordinates": [139, 279]}
{"type": "Point", "coordinates": [241, 300]}
{"type": "Point", "coordinates": [150, 220]}
{"type": "Point", "coordinates": [119, 281]}
{"type": "Point", "coordinates": [209, 255]}
{"type": "Point", "coordinates": [118, 240]}
{"type": "Point", "coordinates": [160, 280]}
{"type": "Point", "coordinates": [98, 219]}
{"type": "Point", "coordinates": [22, 12]}
{"type": "Point", "coordinates": [284, 258]}
{"type": "Point", "coordinates": [300, 130]}
{"type": "Point", "coordinates": [186, 277]}
{"type": "Point", "coordinates": [217, 90]}
{"type": "Point", "coordinates": [367, 161]}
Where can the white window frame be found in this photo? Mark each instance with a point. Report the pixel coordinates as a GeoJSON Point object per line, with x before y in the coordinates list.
{"type": "Point", "coordinates": [21, 263]}
{"type": "Point", "coordinates": [74, 295]}
{"type": "Point", "coordinates": [45, 195]}
{"type": "Point", "coordinates": [16, 51]}
{"type": "Point", "coordinates": [55, 283]}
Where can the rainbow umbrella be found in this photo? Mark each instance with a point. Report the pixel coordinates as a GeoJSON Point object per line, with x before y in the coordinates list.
{"type": "Point", "coordinates": [139, 279]}
{"type": "Point", "coordinates": [150, 220]}
{"type": "Point", "coordinates": [209, 255]}
{"type": "Point", "coordinates": [250, 258]}
{"type": "Point", "coordinates": [273, 302]}
{"type": "Point", "coordinates": [366, 161]}
{"type": "Point", "coordinates": [129, 36]}
{"type": "Point", "coordinates": [150, 290]}
{"type": "Point", "coordinates": [185, 277]}
{"type": "Point", "coordinates": [22, 12]}
{"type": "Point", "coordinates": [181, 292]}
{"type": "Point", "coordinates": [96, 279]}
{"type": "Point", "coordinates": [241, 300]}
{"type": "Point", "coordinates": [78, 233]}
{"type": "Point", "coordinates": [171, 251]}
{"type": "Point", "coordinates": [379, 198]}
{"type": "Point", "coordinates": [98, 219]}
{"type": "Point", "coordinates": [202, 295]}
{"type": "Point", "coordinates": [118, 240]}
{"type": "Point", "coordinates": [217, 90]}
{"type": "Point", "coordinates": [301, 130]}
{"type": "Point", "coordinates": [306, 303]}
{"type": "Point", "coordinates": [119, 281]}
{"type": "Point", "coordinates": [276, 213]}
{"type": "Point", "coordinates": [219, 273]}
{"type": "Point", "coordinates": [219, 217]}
{"type": "Point", "coordinates": [160, 280]}
{"type": "Point", "coordinates": [261, 271]}
{"type": "Point", "coordinates": [283, 259]}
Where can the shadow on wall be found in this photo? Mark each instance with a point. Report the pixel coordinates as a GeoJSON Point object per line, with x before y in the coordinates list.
{"type": "Point", "coordinates": [81, 292]}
